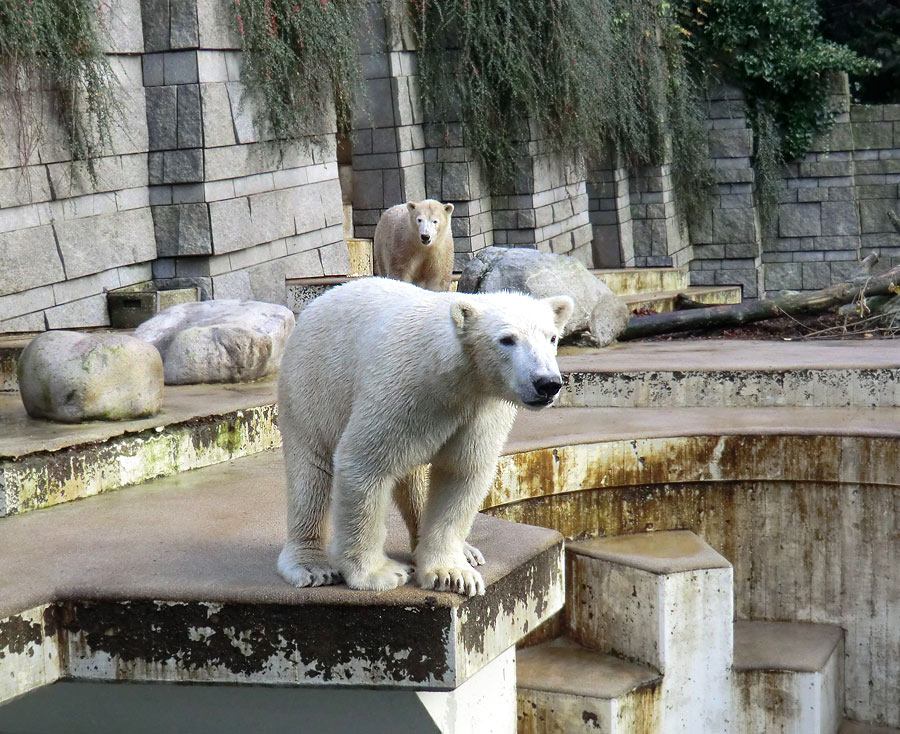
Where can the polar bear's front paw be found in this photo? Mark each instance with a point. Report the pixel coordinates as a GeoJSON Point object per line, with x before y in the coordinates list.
{"type": "Point", "coordinates": [473, 555]}
{"type": "Point", "coordinates": [389, 575]}
{"type": "Point", "coordinates": [461, 579]}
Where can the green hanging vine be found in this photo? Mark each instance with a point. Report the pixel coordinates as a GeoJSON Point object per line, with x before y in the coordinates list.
{"type": "Point", "coordinates": [301, 61]}
{"type": "Point", "coordinates": [593, 74]}
{"type": "Point", "coordinates": [774, 51]}
{"type": "Point", "coordinates": [56, 45]}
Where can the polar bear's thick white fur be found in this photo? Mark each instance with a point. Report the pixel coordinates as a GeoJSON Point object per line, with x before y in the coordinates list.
{"type": "Point", "coordinates": [414, 243]}
{"type": "Point", "coordinates": [381, 378]}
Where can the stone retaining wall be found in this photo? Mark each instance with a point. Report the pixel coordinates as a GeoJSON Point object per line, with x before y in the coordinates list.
{"type": "Point", "coordinates": [193, 193]}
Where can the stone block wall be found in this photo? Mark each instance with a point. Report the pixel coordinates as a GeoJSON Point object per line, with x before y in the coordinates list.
{"type": "Point", "coordinates": [233, 213]}
{"type": "Point", "coordinates": [609, 211]}
{"type": "Point", "coordinates": [836, 203]}
{"type": "Point", "coordinates": [546, 206]}
{"type": "Point", "coordinates": [63, 238]}
{"type": "Point", "coordinates": [726, 239]}
{"type": "Point", "coordinates": [190, 192]}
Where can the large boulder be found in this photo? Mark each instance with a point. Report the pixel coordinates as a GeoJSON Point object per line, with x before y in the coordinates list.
{"type": "Point", "coordinates": [600, 315]}
{"type": "Point", "coordinates": [219, 341]}
{"type": "Point", "coordinates": [69, 376]}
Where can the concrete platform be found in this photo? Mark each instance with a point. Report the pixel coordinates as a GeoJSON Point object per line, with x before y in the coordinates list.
{"type": "Point", "coordinates": [175, 581]}
{"type": "Point", "coordinates": [564, 687]}
{"type": "Point", "coordinates": [733, 373]}
{"type": "Point", "coordinates": [625, 281]}
{"type": "Point", "coordinates": [44, 463]}
{"type": "Point", "coordinates": [788, 677]}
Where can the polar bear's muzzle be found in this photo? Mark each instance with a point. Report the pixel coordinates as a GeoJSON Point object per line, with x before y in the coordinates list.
{"type": "Point", "coordinates": [545, 388]}
{"type": "Point", "coordinates": [426, 239]}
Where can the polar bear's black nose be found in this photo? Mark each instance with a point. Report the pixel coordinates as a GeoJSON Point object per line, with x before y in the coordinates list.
{"type": "Point", "coordinates": [426, 238]}
{"type": "Point", "coordinates": [547, 386]}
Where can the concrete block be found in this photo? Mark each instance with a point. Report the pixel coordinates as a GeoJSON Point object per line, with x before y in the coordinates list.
{"type": "Point", "coordinates": [783, 276]}
{"type": "Point", "coordinates": [162, 117]}
{"type": "Point", "coordinates": [815, 275]}
{"type": "Point", "coordinates": [873, 135]}
{"type": "Point", "coordinates": [184, 31]}
{"type": "Point", "coordinates": [799, 220]}
{"type": "Point", "coordinates": [154, 69]}
{"type": "Point", "coordinates": [218, 126]}
{"type": "Point", "coordinates": [839, 218]}
{"type": "Point", "coordinates": [788, 677]}
{"type": "Point", "coordinates": [190, 193]}
{"type": "Point", "coordinates": [97, 243]}
{"type": "Point", "coordinates": [190, 121]}
{"type": "Point", "coordinates": [30, 259]}
{"type": "Point", "coordinates": [661, 599]}
{"type": "Point", "coordinates": [181, 67]}
{"type": "Point", "coordinates": [182, 229]}
{"type": "Point", "coordinates": [123, 22]}
{"type": "Point", "coordinates": [182, 166]}
{"type": "Point", "coordinates": [734, 226]}
{"type": "Point", "coordinates": [735, 143]}
{"type": "Point", "coordinates": [335, 259]}
{"type": "Point", "coordinates": [79, 314]}
{"type": "Point", "coordinates": [155, 23]}
{"type": "Point", "coordinates": [211, 66]}
{"type": "Point", "coordinates": [230, 224]}
{"type": "Point", "coordinates": [216, 29]}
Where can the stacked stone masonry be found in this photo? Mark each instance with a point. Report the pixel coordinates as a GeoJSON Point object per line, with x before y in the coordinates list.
{"type": "Point", "coordinates": [193, 192]}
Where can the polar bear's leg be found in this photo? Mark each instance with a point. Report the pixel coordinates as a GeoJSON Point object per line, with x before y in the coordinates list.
{"type": "Point", "coordinates": [409, 494]}
{"type": "Point", "coordinates": [303, 560]}
{"type": "Point", "coordinates": [461, 475]}
{"type": "Point", "coordinates": [362, 490]}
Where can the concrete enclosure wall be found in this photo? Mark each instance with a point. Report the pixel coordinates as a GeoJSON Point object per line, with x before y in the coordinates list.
{"type": "Point", "coordinates": [192, 193]}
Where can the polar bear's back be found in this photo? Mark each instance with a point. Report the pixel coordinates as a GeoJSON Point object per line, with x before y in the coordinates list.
{"type": "Point", "coordinates": [356, 335]}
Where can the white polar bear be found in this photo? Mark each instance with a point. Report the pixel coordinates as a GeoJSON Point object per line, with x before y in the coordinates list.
{"type": "Point", "coordinates": [381, 378]}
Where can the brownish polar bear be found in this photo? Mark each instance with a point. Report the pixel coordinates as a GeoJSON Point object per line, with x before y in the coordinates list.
{"type": "Point", "coordinates": [413, 243]}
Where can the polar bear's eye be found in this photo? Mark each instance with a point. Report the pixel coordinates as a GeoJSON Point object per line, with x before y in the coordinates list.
{"type": "Point", "coordinates": [508, 341]}
{"type": "Point", "coordinates": [553, 339]}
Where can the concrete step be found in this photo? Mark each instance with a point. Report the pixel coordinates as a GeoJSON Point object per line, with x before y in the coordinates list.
{"type": "Point", "coordinates": [564, 687]}
{"type": "Point", "coordinates": [664, 600]}
{"type": "Point", "coordinates": [788, 677]}
{"type": "Point", "coordinates": [175, 581]}
{"type": "Point", "coordinates": [733, 373]}
{"type": "Point", "coordinates": [44, 463]}
{"type": "Point", "coordinates": [857, 727]}
{"type": "Point", "coordinates": [664, 301]}
{"type": "Point", "coordinates": [629, 281]}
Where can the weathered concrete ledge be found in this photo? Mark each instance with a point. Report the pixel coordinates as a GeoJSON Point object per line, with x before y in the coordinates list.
{"type": "Point", "coordinates": [802, 501]}
{"type": "Point", "coordinates": [732, 373]}
{"type": "Point", "coordinates": [44, 463]}
{"type": "Point", "coordinates": [175, 581]}
{"type": "Point", "coordinates": [568, 450]}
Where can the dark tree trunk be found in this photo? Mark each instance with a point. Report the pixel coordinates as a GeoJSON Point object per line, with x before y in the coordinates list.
{"type": "Point", "coordinates": [749, 311]}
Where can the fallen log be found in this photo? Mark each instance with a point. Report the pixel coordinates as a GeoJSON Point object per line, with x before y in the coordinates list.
{"type": "Point", "coordinates": [749, 311]}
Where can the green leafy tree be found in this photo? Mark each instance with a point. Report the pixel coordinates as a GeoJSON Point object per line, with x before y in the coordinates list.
{"type": "Point", "coordinates": [870, 27]}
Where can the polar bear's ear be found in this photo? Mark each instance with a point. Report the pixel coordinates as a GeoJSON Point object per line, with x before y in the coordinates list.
{"type": "Point", "coordinates": [448, 208]}
{"type": "Point", "coordinates": [411, 206]}
{"type": "Point", "coordinates": [463, 313]}
{"type": "Point", "coordinates": [562, 307]}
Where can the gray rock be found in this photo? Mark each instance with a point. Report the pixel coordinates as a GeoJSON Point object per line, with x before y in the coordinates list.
{"type": "Point", "coordinates": [219, 340]}
{"type": "Point", "coordinates": [69, 376]}
{"type": "Point", "coordinates": [599, 314]}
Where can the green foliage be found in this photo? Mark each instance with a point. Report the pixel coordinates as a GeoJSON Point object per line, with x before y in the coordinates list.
{"type": "Point", "coordinates": [870, 27]}
{"type": "Point", "coordinates": [591, 74]}
{"type": "Point", "coordinates": [774, 50]}
{"type": "Point", "coordinates": [57, 44]}
{"type": "Point", "coordinates": [301, 62]}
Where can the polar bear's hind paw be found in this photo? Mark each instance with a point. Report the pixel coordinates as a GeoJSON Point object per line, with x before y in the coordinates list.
{"type": "Point", "coordinates": [305, 567]}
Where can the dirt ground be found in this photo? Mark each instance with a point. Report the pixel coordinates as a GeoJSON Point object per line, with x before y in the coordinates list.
{"type": "Point", "coordinates": [800, 328]}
